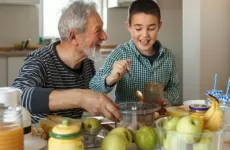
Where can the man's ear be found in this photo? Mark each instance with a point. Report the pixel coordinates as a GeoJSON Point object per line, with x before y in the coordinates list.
{"type": "Point", "coordinates": [74, 37]}
{"type": "Point", "coordinates": [128, 26]}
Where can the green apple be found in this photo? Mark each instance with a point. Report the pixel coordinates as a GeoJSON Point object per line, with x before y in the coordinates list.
{"type": "Point", "coordinates": [113, 142]}
{"type": "Point", "coordinates": [146, 138]}
{"type": "Point", "coordinates": [189, 129]}
{"type": "Point", "coordinates": [207, 142]}
{"type": "Point", "coordinates": [91, 126]}
{"type": "Point", "coordinates": [171, 123]}
{"type": "Point", "coordinates": [173, 142]}
{"type": "Point", "coordinates": [125, 133]}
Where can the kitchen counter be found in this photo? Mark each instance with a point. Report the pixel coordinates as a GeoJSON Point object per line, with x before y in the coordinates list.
{"type": "Point", "coordinates": [16, 53]}
{"type": "Point", "coordinates": [21, 53]}
{"type": "Point", "coordinates": [10, 52]}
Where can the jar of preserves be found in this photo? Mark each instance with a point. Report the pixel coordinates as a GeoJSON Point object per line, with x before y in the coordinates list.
{"type": "Point", "coordinates": [11, 128]}
{"type": "Point", "coordinates": [11, 120]}
{"type": "Point", "coordinates": [66, 136]}
{"type": "Point", "coordinates": [198, 109]}
{"type": "Point", "coordinates": [153, 92]}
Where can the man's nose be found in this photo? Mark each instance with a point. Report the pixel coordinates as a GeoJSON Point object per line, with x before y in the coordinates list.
{"type": "Point", "coordinates": [103, 36]}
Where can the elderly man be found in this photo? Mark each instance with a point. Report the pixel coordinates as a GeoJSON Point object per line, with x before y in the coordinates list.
{"type": "Point", "coordinates": [55, 79]}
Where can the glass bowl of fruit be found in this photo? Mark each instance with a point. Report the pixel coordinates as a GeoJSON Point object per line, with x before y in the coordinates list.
{"type": "Point", "coordinates": [186, 133]}
{"type": "Point", "coordinates": [136, 115]}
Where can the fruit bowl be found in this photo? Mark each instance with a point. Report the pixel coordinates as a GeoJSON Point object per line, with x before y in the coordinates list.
{"type": "Point", "coordinates": [173, 140]}
{"type": "Point", "coordinates": [136, 115]}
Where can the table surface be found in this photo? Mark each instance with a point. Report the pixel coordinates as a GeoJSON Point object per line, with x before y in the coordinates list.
{"type": "Point", "coordinates": [226, 147]}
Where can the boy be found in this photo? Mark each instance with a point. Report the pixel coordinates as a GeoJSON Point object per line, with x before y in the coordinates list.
{"type": "Point", "coordinates": [144, 56]}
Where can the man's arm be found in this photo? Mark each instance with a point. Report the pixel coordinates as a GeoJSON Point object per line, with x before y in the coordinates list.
{"type": "Point", "coordinates": [173, 87]}
{"type": "Point", "coordinates": [30, 80]}
{"type": "Point", "coordinates": [43, 100]}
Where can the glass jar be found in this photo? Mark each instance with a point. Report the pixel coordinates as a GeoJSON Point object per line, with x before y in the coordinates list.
{"type": "Point", "coordinates": [198, 110]}
{"type": "Point", "coordinates": [136, 115]}
{"type": "Point", "coordinates": [11, 128]}
{"type": "Point", "coordinates": [153, 92]}
{"type": "Point", "coordinates": [66, 136]}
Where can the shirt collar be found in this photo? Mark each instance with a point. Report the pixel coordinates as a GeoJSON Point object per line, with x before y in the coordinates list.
{"type": "Point", "coordinates": [134, 49]}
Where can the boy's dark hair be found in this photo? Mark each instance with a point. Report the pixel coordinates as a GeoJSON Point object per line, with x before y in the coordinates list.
{"type": "Point", "coordinates": [144, 6]}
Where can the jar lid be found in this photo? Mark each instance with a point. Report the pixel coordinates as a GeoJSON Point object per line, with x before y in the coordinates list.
{"type": "Point", "coordinates": [65, 130]}
{"type": "Point", "coordinates": [201, 107]}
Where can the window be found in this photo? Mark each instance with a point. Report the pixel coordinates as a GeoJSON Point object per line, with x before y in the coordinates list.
{"type": "Point", "coordinates": [51, 13]}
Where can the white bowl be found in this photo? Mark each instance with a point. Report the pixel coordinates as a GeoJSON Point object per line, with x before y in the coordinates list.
{"type": "Point", "coordinates": [189, 102]}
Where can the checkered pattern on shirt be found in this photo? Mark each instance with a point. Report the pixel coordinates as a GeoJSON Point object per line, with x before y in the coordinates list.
{"type": "Point", "coordinates": [163, 71]}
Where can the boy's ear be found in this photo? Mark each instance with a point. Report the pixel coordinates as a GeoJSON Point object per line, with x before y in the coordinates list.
{"type": "Point", "coordinates": [73, 37]}
{"type": "Point", "coordinates": [160, 24]}
{"type": "Point", "coordinates": [127, 26]}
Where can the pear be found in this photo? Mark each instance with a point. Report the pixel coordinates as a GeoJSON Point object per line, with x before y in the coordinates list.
{"type": "Point", "coordinates": [113, 142]}
{"type": "Point", "coordinates": [125, 133]}
{"type": "Point", "coordinates": [146, 138]}
{"type": "Point", "coordinates": [91, 126]}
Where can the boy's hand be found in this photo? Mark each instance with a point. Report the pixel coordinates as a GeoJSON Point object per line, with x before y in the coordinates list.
{"type": "Point", "coordinates": [119, 69]}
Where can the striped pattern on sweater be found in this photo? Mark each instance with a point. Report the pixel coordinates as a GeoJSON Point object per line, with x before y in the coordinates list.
{"type": "Point", "coordinates": [42, 72]}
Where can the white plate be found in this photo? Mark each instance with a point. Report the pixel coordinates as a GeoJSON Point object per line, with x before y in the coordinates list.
{"type": "Point", "coordinates": [34, 143]}
{"type": "Point", "coordinates": [189, 102]}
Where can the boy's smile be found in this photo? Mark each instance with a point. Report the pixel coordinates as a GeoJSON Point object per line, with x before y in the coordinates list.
{"type": "Point", "coordinates": [144, 29]}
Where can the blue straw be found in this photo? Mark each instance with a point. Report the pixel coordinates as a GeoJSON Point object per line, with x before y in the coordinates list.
{"type": "Point", "coordinates": [225, 103]}
{"type": "Point", "coordinates": [215, 79]}
{"type": "Point", "coordinates": [228, 86]}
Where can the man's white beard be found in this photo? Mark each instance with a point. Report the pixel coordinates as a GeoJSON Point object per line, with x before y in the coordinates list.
{"type": "Point", "coordinates": [93, 53]}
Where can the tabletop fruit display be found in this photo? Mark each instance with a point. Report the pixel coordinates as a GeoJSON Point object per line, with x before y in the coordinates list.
{"type": "Point", "coordinates": [178, 133]}
{"type": "Point", "coordinates": [121, 138]}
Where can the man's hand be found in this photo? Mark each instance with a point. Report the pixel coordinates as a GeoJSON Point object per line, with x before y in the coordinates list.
{"type": "Point", "coordinates": [99, 104]}
{"type": "Point", "coordinates": [119, 69]}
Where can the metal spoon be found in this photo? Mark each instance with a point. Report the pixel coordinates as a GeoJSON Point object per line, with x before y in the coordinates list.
{"type": "Point", "coordinates": [138, 93]}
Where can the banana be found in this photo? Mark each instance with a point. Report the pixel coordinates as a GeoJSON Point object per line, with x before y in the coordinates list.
{"type": "Point", "coordinates": [214, 118]}
{"type": "Point", "coordinates": [209, 112]}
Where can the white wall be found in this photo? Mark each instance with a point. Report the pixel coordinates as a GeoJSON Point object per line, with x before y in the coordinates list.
{"type": "Point", "coordinates": [214, 44]}
{"type": "Point", "coordinates": [116, 29]}
{"type": "Point", "coordinates": [171, 31]}
{"type": "Point", "coordinates": [229, 38]}
{"type": "Point", "coordinates": [18, 23]}
{"type": "Point", "coordinates": [191, 49]}
{"type": "Point", "coordinates": [205, 46]}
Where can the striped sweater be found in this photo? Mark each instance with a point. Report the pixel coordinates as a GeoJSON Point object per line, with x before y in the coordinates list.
{"type": "Point", "coordinates": [44, 71]}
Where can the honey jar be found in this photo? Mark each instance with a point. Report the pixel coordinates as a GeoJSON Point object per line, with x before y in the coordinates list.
{"type": "Point", "coordinates": [66, 136]}
{"type": "Point", "coordinates": [198, 109]}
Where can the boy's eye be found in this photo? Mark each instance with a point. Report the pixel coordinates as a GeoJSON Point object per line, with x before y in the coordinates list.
{"type": "Point", "coordinates": [152, 29]}
{"type": "Point", "coordinates": [139, 29]}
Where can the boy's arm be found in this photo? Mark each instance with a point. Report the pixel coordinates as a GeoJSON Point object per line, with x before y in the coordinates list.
{"type": "Point", "coordinates": [173, 86]}
{"type": "Point", "coordinates": [98, 82]}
